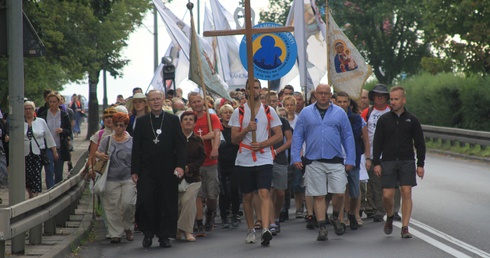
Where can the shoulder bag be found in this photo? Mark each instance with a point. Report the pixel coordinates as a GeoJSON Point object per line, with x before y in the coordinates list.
{"type": "Point", "coordinates": [44, 154]}
{"type": "Point", "coordinates": [100, 165]}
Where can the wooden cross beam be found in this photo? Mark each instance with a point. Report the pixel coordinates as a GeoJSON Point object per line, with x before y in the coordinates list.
{"type": "Point", "coordinates": [248, 32]}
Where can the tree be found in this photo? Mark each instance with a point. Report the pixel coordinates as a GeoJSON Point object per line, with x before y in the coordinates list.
{"type": "Point", "coordinates": [461, 30]}
{"type": "Point", "coordinates": [83, 37]}
{"type": "Point", "coordinates": [387, 33]}
{"type": "Point", "coordinates": [278, 11]}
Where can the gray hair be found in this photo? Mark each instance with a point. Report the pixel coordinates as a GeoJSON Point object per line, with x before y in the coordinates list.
{"type": "Point", "coordinates": [30, 103]}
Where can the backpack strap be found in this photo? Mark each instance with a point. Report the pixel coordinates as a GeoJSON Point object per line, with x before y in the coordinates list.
{"type": "Point", "coordinates": [101, 132]}
{"type": "Point", "coordinates": [370, 110]}
{"type": "Point", "coordinates": [241, 113]}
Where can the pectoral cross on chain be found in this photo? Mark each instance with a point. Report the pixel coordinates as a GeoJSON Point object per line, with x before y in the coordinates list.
{"type": "Point", "coordinates": [249, 31]}
{"type": "Point", "coordinates": [156, 140]}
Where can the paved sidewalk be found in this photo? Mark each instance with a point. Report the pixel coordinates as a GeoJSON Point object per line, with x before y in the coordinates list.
{"type": "Point", "coordinates": [66, 239]}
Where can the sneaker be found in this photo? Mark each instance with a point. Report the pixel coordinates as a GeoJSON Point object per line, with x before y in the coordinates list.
{"type": "Point", "coordinates": [310, 222]}
{"type": "Point", "coordinates": [225, 223]}
{"type": "Point", "coordinates": [278, 227]}
{"type": "Point", "coordinates": [273, 230]}
{"type": "Point", "coordinates": [397, 216]}
{"type": "Point", "coordinates": [339, 228]}
{"type": "Point", "coordinates": [282, 215]}
{"type": "Point", "coordinates": [360, 222]}
{"type": "Point", "coordinates": [389, 226]}
{"type": "Point", "coordinates": [299, 215]}
{"type": "Point", "coordinates": [200, 232]}
{"type": "Point", "coordinates": [405, 233]}
{"type": "Point", "coordinates": [209, 225]}
{"type": "Point", "coordinates": [322, 235]}
{"type": "Point", "coordinates": [266, 237]}
{"type": "Point", "coordinates": [235, 221]}
{"type": "Point", "coordinates": [378, 218]}
{"type": "Point", "coordinates": [369, 213]}
{"type": "Point", "coordinates": [352, 222]}
{"type": "Point", "coordinates": [250, 236]}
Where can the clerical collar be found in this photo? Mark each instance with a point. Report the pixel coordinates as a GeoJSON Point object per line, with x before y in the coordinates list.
{"type": "Point", "coordinates": [157, 116]}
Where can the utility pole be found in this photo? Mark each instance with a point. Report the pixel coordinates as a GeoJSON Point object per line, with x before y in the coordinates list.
{"type": "Point", "coordinates": [16, 102]}
{"type": "Point", "coordinates": [156, 60]}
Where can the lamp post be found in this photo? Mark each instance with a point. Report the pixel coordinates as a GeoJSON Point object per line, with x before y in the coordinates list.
{"type": "Point", "coordinates": [168, 72]}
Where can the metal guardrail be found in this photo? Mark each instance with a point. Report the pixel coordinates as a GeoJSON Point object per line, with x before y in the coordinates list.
{"type": "Point", "coordinates": [55, 206]}
{"type": "Point", "coordinates": [453, 135]}
{"type": "Point", "coordinates": [51, 208]}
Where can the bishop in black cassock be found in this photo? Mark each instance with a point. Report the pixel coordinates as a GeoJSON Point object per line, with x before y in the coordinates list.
{"type": "Point", "coordinates": [158, 159]}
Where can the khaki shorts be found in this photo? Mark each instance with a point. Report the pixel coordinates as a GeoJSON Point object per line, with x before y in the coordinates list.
{"type": "Point", "coordinates": [279, 176]}
{"type": "Point", "coordinates": [322, 178]}
{"type": "Point", "coordinates": [210, 182]}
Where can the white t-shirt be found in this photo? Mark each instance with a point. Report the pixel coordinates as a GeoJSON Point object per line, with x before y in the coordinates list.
{"type": "Point", "coordinates": [244, 158]}
{"type": "Point", "coordinates": [372, 121]}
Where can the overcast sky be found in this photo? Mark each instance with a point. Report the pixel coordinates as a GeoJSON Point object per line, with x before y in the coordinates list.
{"type": "Point", "coordinates": [139, 72]}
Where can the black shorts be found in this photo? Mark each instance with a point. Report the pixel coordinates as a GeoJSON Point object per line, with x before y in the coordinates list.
{"type": "Point", "coordinates": [398, 173]}
{"type": "Point", "coordinates": [254, 178]}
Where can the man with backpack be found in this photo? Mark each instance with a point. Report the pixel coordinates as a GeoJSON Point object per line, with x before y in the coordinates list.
{"type": "Point", "coordinates": [255, 158]}
{"type": "Point", "coordinates": [379, 95]}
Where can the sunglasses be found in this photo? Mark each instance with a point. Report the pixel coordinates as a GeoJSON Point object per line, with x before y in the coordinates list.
{"type": "Point", "coordinates": [120, 125]}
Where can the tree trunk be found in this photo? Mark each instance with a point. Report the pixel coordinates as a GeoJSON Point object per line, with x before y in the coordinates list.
{"type": "Point", "coordinates": [93, 110]}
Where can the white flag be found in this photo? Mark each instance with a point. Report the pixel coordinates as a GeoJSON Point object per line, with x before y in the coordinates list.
{"type": "Point", "coordinates": [313, 29]}
{"type": "Point", "coordinates": [157, 81]}
{"type": "Point", "coordinates": [202, 69]}
{"type": "Point", "coordinates": [231, 68]}
{"type": "Point", "coordinates": [348, 70]}
{"type": "Point", "coordinates": [179, 32]}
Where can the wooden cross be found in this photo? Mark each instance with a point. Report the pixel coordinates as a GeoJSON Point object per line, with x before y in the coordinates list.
{"type": "Point", "coordinates": [248, 32]}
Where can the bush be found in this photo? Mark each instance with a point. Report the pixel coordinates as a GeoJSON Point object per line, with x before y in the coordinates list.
{"type": "Point", "coordinates": [475, 96]}
{"type": "Point", "coordinates": [435, 100]}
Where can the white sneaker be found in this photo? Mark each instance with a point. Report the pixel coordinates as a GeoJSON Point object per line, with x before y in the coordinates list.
{"type": "Point", "coordinates": [250, 236]}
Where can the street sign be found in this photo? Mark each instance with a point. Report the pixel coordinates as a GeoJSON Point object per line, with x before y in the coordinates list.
{"type": "Point", "coordinates": [33, 46]}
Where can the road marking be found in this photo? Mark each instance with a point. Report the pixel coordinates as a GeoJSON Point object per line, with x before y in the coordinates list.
{"type": "Point", "coordinates": [439, 244]}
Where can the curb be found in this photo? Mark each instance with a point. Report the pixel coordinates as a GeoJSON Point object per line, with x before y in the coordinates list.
{"type": "Point", "coordinates": [459, 155]}
{"type": "Point", "coordinates": [66, 247]}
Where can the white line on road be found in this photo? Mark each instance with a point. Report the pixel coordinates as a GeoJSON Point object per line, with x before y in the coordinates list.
{"type": "Point", "coordinates": [450, 239]}
{"type": "Point", "coordinates": [439, 244]}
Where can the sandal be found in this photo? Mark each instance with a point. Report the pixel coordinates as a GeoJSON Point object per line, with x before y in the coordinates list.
{"type": "Point", "coordinates": [258, 224]}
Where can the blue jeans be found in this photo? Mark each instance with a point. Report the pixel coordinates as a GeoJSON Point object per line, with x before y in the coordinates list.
{"type": "Point", "coordinates": [54, 170]}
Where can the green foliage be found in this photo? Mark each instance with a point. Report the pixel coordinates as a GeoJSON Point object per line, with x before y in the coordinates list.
{"type": "Point", "coordinates": [449, 100]}
{"type": "Point", "coordinates": [461, 30]}
{"type": "Point", "coordinates": [278, 11]}
{"type": "Point", "coordinates": [435, 100]}
{"type": "Point", "coordinates": [387, 33]}
{"type": "Point", "coordinates": [475, 96]}
{"type": "Point", "coordinates": [434, 65]}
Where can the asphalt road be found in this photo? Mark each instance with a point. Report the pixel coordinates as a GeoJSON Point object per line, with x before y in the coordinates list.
{"type": "Point", "coordinates": [450, 219]}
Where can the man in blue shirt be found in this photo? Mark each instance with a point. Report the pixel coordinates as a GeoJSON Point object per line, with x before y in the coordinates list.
{"type": "Point", "coordinates": [325, 128]}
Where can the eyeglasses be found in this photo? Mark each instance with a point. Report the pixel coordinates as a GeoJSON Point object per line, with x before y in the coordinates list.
{"type": "Point", "coordinates": [323, 93]}
{"type": "Point", "coordinates": [155, 99]}
{"type": "Point", "coordinates": [120, 125]}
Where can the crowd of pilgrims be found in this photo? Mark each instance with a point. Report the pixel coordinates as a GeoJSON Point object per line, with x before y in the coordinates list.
{"type": "Point", "coordinates": [191, 195]}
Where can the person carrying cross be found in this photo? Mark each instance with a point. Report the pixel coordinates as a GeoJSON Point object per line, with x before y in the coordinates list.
{"type": "Point", "coordinates": [255, 158]}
